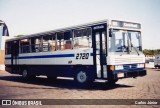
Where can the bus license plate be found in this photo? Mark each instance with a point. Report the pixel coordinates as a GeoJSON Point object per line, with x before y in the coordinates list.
{"type": "Point", "coordinates": [120, 75]}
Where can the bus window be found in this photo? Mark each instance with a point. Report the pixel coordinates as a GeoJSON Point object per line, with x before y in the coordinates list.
{"type": "Point", "coordinates": [24, 46]}
{"type": "Point", "coordinates": [60, 41]}
{"type": "Point", "coordinates": [90, 37]}
{"type": "Point", "coordinates": [52, 42]}
{"type": "Point", "coordinates": [68, 40]}
{"type": "Point", "coordinates": [49, 43]}
{"type": "Point", "coordinates": [46, 42]}
{"type": "Point", "coordinates": [8, 48]}
{"type": "Point", "coordinates": [81, 38]}
{"type": "Point", "coordinates": [36, 44]}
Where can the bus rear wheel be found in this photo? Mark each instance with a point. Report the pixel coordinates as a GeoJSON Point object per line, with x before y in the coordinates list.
{"type": "Point", "coordinates": [25, 75]}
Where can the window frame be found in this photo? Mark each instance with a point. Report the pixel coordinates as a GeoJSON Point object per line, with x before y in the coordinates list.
{"type": "Point", "coordinates": [88, 36]}
{"type": "Point", "coordinates": [21, 47]}
{"type": "Point", "coordinates": [8, 49]}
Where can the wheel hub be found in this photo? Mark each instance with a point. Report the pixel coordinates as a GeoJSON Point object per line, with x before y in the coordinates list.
{"type": "Point", "coordinates": [81, 77]}
{"type": "Point", "coordinates": [25, 73]}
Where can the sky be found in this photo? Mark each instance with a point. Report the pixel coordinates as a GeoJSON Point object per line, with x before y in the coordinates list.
{"type": "Point", "coordinates": [33, 16]}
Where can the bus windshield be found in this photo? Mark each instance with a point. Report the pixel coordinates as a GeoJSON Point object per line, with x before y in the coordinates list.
{"type": "Point", "coordinates": [125, 42]}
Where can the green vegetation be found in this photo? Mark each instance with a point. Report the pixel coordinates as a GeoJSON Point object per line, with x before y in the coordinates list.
{"type": "Point", "coordinates": [19, 35]}
{"type": "Point", "coordinates": [151, 51]}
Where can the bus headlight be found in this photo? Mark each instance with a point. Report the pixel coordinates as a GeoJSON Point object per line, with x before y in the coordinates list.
{"type": "Point", "coordinates": [140, 65]}
{"type": "Point", "coordinates": [118, 67]}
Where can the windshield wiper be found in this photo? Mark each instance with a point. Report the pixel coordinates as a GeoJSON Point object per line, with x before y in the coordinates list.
{"type": "Point", "coordinates": [132, 45]}
{"type": "Point", "coordinates": [134, 48]}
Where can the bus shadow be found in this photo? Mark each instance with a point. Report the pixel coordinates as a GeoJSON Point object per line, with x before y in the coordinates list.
{"type": "Point", "coordinates": [63, 84]}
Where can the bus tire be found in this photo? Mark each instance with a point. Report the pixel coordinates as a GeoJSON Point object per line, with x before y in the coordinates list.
{"type": "Point", "coordinates": [25, 75]}
{"type": "Point", "coordinates": [81, 77]}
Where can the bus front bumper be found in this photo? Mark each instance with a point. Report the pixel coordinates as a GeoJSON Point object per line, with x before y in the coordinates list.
{"type": "Point", "coordinates": [129, 74]}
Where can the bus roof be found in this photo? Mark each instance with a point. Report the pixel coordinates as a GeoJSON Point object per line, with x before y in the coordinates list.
{"type": "Point", "coordinates": [59, 30]}
{"type": "Point", "coordinates": [69, 28]}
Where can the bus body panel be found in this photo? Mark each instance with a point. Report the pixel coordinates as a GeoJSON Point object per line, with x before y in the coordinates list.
{"type": "Point", "coordinates": [64, 57]}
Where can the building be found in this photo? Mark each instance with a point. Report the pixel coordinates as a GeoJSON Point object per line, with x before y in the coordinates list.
{"type": "Point", "coordinates": [4, 34]}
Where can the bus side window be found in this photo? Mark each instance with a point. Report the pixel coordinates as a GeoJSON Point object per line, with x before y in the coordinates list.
{"type": "Point", "coordinates": [82, 38]}
{"type": "Point", "coordinates": [8, 48]}
{"type": "Point", "coordinates": [89, 36]}
{"type": "Point", "coordinates": [52, 43]}
{"type": "Point", "coordinates": [47, 42]}
{"type": "Point", "coordinates": [60, 41]}
{"type": "Point", "coordinates": [36, 44]}
{"type": "Point", "coordinates": [25, 45]}
{"type": "Point", "coordinates": [68, 40]}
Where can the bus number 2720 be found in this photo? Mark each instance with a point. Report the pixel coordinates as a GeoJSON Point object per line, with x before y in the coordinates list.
{"type": "Point", "coordinates": [82, 55]}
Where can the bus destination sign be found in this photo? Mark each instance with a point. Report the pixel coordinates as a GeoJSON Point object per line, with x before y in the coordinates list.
{"type": "Point", "coordinates": [126, 24]}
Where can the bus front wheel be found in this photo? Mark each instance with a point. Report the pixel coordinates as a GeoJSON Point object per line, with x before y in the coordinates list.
{"type": "Point", "coordinates": [81, 77]}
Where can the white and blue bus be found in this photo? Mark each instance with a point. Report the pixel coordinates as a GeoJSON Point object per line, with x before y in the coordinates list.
{"type": "Point", "coordinates": [108, 50]}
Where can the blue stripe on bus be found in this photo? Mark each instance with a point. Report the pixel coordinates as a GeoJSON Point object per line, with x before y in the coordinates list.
{"type": "Point", "coordinates": [44, 56]}
{"type": "Point", "coordinates": [91, 54]}
{"type": "Point", "coordinates": [47, 56]}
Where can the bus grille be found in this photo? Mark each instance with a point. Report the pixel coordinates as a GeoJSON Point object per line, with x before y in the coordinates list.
{"type": "Point", "coordinates": [130, 66]}
{"type": "Point", "coordinates": [129, 60]}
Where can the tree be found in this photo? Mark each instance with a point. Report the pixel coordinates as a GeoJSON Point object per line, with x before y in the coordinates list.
{"type": "Point", "coordinates": [19, 35]}
{"type": "Point", "coordinates": [151, 52]}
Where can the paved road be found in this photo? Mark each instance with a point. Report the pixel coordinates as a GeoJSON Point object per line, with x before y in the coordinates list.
{"type": "Point", "coordinates": [147, 87]}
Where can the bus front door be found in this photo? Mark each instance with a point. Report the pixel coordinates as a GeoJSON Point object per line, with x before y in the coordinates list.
{"type": "Point", "coordinates": [100, 53]}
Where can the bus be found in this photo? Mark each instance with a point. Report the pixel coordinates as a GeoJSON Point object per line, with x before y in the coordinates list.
{"type": "Point", "coordinates": [107, 50]}
{"type": "Point", "coordinates": [156, 61]}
